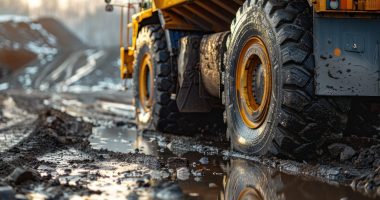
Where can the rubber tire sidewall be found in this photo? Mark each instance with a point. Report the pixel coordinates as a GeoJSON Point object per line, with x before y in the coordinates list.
{"type": "Point", "coordinates": [144, 49]}
{"type": "Point", "coordinates": [237, 130]}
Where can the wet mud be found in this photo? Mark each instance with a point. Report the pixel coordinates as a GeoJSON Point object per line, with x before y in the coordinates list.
{"type": "Point", "coordinates": [65, 156]}
{"type": "Point", "coordinates": [67, 131]}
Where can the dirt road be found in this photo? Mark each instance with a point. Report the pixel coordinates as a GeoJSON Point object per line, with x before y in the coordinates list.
{"type": "Point", "coordinates": [82, 146]}
{"type": "Point", "coordinates": [67, 132]}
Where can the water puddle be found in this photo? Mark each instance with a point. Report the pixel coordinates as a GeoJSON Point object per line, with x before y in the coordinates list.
{"type": "Point", "coordinates": [122, 139]}
{"type": "Point", "coordinates": [205, 172]}
{"type": "Point", "coordinates": [189, 168]}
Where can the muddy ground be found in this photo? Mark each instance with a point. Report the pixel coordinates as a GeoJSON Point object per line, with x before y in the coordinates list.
{"type": "Point", "coordinates": [61, 147]}
{"type": "Point", "coordinates": [67, 132]}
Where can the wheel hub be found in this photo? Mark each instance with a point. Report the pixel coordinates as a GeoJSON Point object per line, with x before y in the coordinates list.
{"type": "Point", "coordinates": [253, 82]}
{"type": "Point", "coordinates": [146, 88]}
{"type": "Point", "coordinates": [258, 83]}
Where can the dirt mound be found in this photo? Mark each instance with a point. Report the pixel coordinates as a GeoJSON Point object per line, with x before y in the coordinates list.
{"type": "Point", "coordinates": [54, 130]}
{"type": "Point", "coordinates": [62, 127]}
{"type": "Point", "coordinates": [65, 38]}
{"type": "Point", "coordinates": [23, 40]}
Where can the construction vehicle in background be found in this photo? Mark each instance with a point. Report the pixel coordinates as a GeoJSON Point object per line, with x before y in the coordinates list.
{"type": "Point", "coordinates": [285, 72]}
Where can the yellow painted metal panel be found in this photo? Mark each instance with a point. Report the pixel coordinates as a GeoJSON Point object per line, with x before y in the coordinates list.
{"type": "Point", "coordinates": [142, 15]}
{"type": "Point", "coordinates": [126, 56]}
{"type": "Point", "coordinates": [162, 4]}
{"type": "Point", "coordinates": [372, 5]}
{"type": "Point", "coordinates": [348, 6]}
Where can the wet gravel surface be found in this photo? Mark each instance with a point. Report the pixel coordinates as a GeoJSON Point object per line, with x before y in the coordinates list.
{"type": "Point", "coordinates": [67, 132]}
{"type": "Point", "coordinates": [95, 153]}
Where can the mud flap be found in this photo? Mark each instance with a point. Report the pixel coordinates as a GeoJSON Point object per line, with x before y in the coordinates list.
{"type": "Point", "coordinates": [189, 96]}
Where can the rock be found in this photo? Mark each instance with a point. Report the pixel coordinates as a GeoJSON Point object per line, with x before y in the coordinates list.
{"type": "Point", "coordinates": [7, 193]}
{"type": "Point", "coordinates": [368, 157]}
{"type": "Point", "coordinates": [165, 174]}
{"type": "Point", "coordinates": [168, 191]}
{"type": "Point", "coordinates": [21, 197]}
{"type": "Point", "coordinates": [177, 162]}
{"type": "Point", "coordinates": [144, 181]}
{"type": "Point", "coordinates": [20, 175]}
{"type": "Point", "coordinates": [204, 161]}
{"type": "Point", "coordinates": [67, 171]}
{"type": "Point", "coordinates": [376, 163]}
{"type": "Point", "coordinates": [133, 196]}
{"type": "Point", "coordinates": [183, 173]}
{"type": "Point", "coordinates": [335, 149]}
{"type": "Point", "coordinates": [120, 123]}
{"type": "Point", "coordinates": [369, 186]}
{"type": "Point", "coordinates": [341, 151]}
{"type": "Point", "coordinates": [347, 153]}
{"type": "Point", "coordinates": [198, 172]}
{"type": "Point", "coordinates": [50, 119]}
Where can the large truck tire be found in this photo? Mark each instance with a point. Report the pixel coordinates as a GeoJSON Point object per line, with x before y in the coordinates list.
{"type": "Point", "coordinates": [271, 106]}
{"type": "Point", "coordinates": [154, 82]}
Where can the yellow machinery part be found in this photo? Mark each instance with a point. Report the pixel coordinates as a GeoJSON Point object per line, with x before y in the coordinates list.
{"type": "Point", "coordinates": [160, 4]}
{"type": "Point", "coordinates": [214, 16]}
{"type": "Point", "coordinates": [193, 15]}
{"type": "Point", "coordinates": [127, 55]}
{"type": "Point", "coordinates": [363, 6]}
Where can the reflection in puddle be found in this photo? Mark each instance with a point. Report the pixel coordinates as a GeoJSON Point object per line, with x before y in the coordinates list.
{"type": "Point", "coordinates": [124, 140]}
{"type": "Point", "coordinates": [208, 177]}
{"type": "Point", "coordinates": [199, 173]}
{"type": "Point", "coordinates": [248, 180]}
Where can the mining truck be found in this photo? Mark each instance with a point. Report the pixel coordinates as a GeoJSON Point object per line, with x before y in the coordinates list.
{"type": "Point", "coordinates": [283, 72]}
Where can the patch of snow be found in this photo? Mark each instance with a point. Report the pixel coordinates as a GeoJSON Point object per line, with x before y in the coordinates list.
{"type": "Point", "coordinates": [32, 46]}
{"type": "Point", "coordinates": [38, 27]}
{"type": "Point", "coordinates": [25, 80]}
{"type": "Point", "coordinates": [49, 58]}
{"type": "Point", "coordinates": [31, 70]}
{"type": "Point", "coordinates": [107, 85]}
{"type": "Point", "coordinates": [44, 86]}
{"type": "Point", "coordinates": [92, 57]}
{"type": "Point", "coordinates": [16, 46]}
{"type": "Point", "coordinates": [4, 86]}
{"type": "Point", "coordinates": [14, 18]}
{"type": "Point", "coordinates": [5, 43]}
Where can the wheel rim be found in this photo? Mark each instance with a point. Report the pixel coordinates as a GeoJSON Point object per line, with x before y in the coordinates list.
{"type": "Point", "coordinates": [253, 83]}
{"type": "Point", "coordinates": [146, 88]}
{"type": "Point", "coordinates": [249, 194]}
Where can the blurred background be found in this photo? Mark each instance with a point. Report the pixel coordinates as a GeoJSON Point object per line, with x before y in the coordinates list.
{"type": "Point", "coordinates": [59, 45]}
{"type": "Point", "coordinates": [86, 18]}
